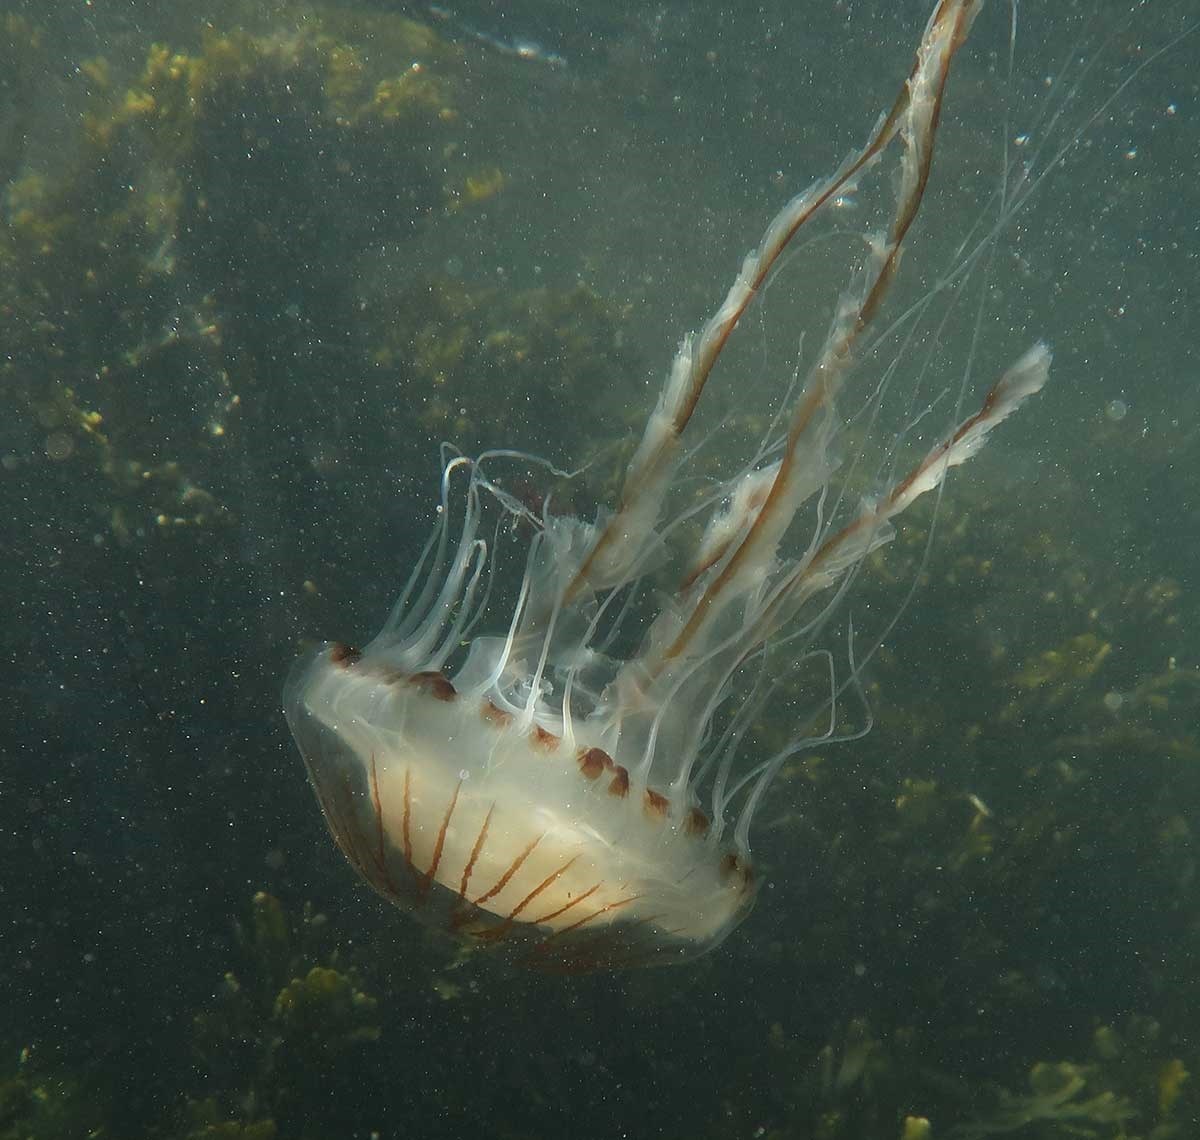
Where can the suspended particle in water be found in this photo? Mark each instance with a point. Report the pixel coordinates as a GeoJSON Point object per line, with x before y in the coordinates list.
{"type": "Point", "coordinates": [59, 446]}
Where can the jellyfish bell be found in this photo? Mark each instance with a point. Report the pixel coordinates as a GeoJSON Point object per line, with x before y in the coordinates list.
{"type": "Point", "coordinates": [567, 781]}
{"type": "Point", "coordinates": [501, 791]}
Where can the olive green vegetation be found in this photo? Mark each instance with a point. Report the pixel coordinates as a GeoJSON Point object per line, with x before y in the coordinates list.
{"type": "Point", "coordinates": [1019, 813]}
{"type": "Point", "coordinates": [488, 359]}
{"type": "Point", "coordinates": [188, 288]}
{"type": "Point", "coordinates": [1127, 1087]}
{"type": "Point", "coordinates": [986, 903]}
{"type": "Point", "coordinates": [139, 279]}
{"type": "Point", "coordinates": [287, 1026]}
{"type": "Point", "coordinates": [37, 1102]}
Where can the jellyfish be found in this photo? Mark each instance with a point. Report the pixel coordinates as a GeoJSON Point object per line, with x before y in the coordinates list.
{"type": "Point", "coordinates": [569, 782]}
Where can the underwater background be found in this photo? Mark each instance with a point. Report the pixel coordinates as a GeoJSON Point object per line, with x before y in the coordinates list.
{"type": "Point", "coordinates": [259, 259]}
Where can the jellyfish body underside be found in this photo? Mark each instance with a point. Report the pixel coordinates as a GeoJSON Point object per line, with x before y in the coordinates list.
{"type": "Point", "coordinates": [500, 833]}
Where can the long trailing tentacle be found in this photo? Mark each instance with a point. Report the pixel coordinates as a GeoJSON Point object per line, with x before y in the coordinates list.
{"type": "Point", "coordinates": [619, 540]}
{"type": "Point", "coordinates": [811, 428]}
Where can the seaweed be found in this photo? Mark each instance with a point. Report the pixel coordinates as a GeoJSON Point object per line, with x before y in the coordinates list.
{"type": "Point", "coordinates": [283, 1029]}
{"type": "Point", "coordinates": [153, 276]}
{"type": "Point", "coordinates": [41, 1100]}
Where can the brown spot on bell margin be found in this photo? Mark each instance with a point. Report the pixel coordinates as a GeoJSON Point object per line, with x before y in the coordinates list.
{"type": "Point", "coordinates": [594, 762]}
{"type": "Point", "coordinates": [655, 804]}
{"type": "Point", "coordinates": [494, 714]}
{"type": "Point", "coordinates": [437, 685]}
{"type": "Point", "coordinates": [344, 655]}
{"type": "Point", "coordinates": [620, 782]}
{"type": "Point", "coordinates": [543, 740]}
{"type": "Point", "coordinates": [734, 868]}
{"type": "Point", "coordinates": [695, 822]}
